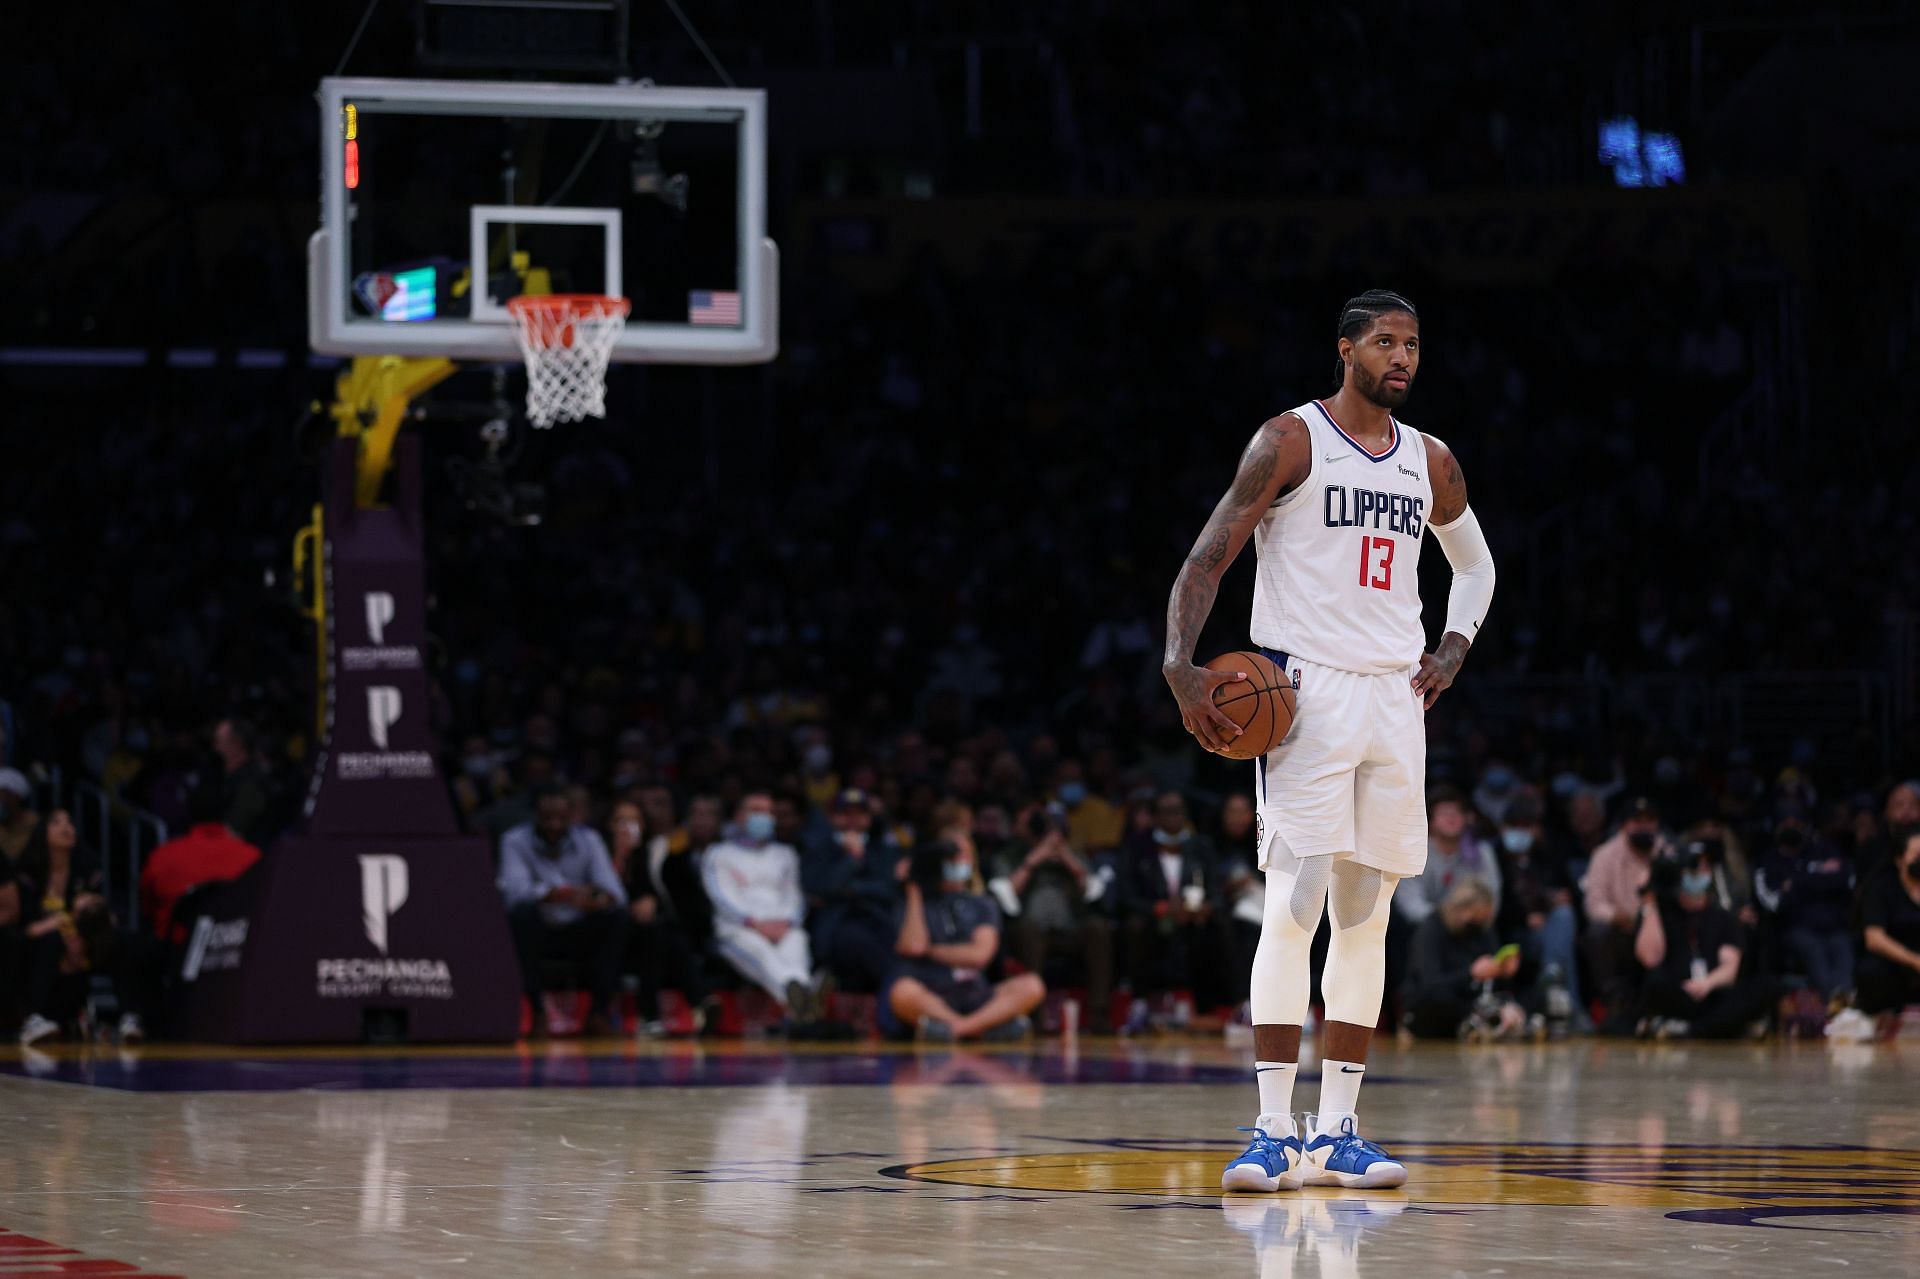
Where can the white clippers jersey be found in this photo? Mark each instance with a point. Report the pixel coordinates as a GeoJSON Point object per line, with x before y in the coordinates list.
{"type": "Point", "coordinates": [1338, 581]}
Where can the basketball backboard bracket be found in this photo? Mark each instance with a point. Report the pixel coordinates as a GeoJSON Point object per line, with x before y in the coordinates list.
{"type": "Point", "coordinates": [403, 160]}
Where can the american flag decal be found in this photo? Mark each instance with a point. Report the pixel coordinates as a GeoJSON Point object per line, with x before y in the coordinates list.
{"type": "Point", "coordinates": [713, 306]}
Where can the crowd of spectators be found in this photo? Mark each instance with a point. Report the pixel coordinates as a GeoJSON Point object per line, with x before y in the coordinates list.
{"type": "Point", "coordinates": [1705, 920]}
{"type": "Point", "coordinates": [957, 883]}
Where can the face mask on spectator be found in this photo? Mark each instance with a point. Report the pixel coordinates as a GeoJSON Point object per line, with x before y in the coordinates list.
{"type": "Point", "coordinates": [957, 872]}
{"type": "Point", "coordinates": [1175, 840]}
{"type": "Point", "coordinates": [759, 826]}
{"type": "Point", "coordinates": [1498, 781]}
{"type": "Point", "coordinates": [1071, 793]}
{"type": "Point", "coordinates": [1517, 839]}
{"type": "Point", "coordinates": [1641, 840]}
{"type": "Point", "coordinates": [1695, 883]}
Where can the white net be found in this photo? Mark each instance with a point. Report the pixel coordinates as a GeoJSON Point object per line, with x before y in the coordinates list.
{"type": "Point", "coordinates": [567, 340]}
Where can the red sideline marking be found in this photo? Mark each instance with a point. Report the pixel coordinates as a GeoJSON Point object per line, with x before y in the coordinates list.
{"type": "Point", "coordinates": [22, 1255]}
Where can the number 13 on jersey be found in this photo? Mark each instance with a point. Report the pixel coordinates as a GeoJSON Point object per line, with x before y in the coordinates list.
{"type": "Point", "coordinates": [1376, 562]}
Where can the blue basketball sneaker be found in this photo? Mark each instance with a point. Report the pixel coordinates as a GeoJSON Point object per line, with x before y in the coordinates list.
{"type": "Point", "coordinates": [1271, 1162]}
{"type": "Point", "coordinates": [1345, 1158]}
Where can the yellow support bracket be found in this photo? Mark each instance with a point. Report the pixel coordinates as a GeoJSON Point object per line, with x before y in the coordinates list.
{"type": "Point", "coordinates": [371, 405]}
{"type": "Point", "coordinates": [309, 578]}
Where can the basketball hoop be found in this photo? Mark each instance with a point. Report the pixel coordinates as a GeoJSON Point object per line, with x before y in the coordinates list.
{"type": "Point", "coordinates": [567, 339]}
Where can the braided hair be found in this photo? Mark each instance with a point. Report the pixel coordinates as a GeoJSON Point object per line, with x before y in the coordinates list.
{"type": "Point", "coordinates": [1360, 312]}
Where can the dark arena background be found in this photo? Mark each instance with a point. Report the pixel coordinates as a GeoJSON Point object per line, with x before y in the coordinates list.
{"type": "Point", "coordinates": [433, 839]}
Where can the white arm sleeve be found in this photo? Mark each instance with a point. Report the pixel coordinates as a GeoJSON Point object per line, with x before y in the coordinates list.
{"type": "Point", "coordinates": [1472, 561]}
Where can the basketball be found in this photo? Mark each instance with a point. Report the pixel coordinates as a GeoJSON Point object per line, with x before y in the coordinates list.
{"type": "Point", "coordinates": [1262, 704]}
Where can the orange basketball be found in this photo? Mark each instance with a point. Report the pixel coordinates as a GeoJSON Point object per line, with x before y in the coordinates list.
{"type": "Point", "coordinates": [1262, 704]}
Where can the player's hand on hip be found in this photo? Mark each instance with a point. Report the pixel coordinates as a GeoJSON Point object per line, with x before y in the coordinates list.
{"type": "Point", "coordinates": [1193, 688]}
{"type": "Point", "coordinates": [1438, 668]}
{"type": "Point", "coordinates": [1434, 677]}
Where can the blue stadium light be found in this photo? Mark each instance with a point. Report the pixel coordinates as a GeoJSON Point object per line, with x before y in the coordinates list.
{"type": "Point", "coordinates": [1641, 160]}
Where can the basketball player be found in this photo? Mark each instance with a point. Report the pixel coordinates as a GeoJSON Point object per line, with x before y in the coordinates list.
{"type": "Point", "coordinates": [1339, 493]}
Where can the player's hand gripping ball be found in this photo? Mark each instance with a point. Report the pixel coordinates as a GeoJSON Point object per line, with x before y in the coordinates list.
{"type": "Point", "coordinates": [1262, 704]}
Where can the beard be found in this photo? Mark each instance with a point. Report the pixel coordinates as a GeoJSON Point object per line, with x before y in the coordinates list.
{"type": "Point", "coordinates": [1377, 390]}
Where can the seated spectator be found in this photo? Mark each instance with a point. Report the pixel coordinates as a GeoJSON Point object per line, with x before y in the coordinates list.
{"type": "Point", "coordinates": [1689, 949]}
{"type": "Point", "coordinates": [69, 932]}
{"type": "Point", "coordinates": [17, 817]}
{"type": "Point", "coordinates": [1732, 873]}
{"type": "Point", "coordinates": [1243, 889]}
{"type": "Point", "coordinates": [789, 820]}
{"type": "Point", "coordinates": [1888, 978]}
{"type": "Point", "coordinates": [1498, 787]}
{"type": "Point", "coordinates": [1094, 823]}
{"type": "Point", "coordinates": [1537, 909]}
{"type": "Point", "coordinates": [1176, 935]}
{"type": "Point", "coordinates": [249, 792]}
{"type": "Point", "coordinates": [1807, 886]}
{"type": "Point", "coordinates": [1882, 846]}
{"type": "Point", "coordinates": [949, 935]}
{"type": "Point", "coordinates": [13, 953]}
{"type": "Point", "coordinates": [759, 911]}
{"type": "Point", "coordinates": [1586, 823]}
{"type": "Point", "coordinates": [852, 884]}
{"type": "Point", "coordinates": [1454, 852]}
{"type": "Point", "coordinates": [678, 874]}
{"type": "Point", "coordinates": [1616, 876]}
{"type": "Point", "coordinates": [1457, 984]}
{"type": "Point", "coordinates": [659, 948]}
{"type": "Point", "coordinates": [564, 902]}
{"type": "Point", "coordinates": [1052, 901]}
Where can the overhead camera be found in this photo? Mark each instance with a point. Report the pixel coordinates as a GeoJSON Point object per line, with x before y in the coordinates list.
{"type": "Point", "coordinates": [645, 173]}
{"type": "Point", "coordinates": [483, 483]}
{"type": "Point", "coordinates": [484, 487]}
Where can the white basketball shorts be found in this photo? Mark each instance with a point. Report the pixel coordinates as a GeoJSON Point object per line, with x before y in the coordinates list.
{"type": "Point", "coordinates": [1350, 777]}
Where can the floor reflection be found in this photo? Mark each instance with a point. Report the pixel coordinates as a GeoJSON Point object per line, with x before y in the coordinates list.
{"type": "Point", "coordinates": [1305, 1234]}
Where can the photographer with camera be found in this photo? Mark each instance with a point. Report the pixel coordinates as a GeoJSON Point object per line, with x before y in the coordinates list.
{"type": "Point", "coordinates": [1460, 979]}
{"type": "Point", "coordinates": [1054, 905]}
{"type": "Point", "coordinates": [1690, 948]}
{"type": "Point", "coordinates": [949, 936]}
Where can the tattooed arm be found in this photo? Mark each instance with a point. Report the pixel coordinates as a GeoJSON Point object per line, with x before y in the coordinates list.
{"type": "Point", "coordinates": [1276, 461]}
{"type": "Point", "coordinates": [1458, 532]}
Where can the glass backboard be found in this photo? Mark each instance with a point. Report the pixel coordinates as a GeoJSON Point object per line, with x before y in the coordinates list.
{"type": "Point", "coordinates": [443, 199]}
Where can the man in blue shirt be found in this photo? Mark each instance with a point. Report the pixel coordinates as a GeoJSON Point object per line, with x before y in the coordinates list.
{"type": "Point", "coordinates": [564, 902]}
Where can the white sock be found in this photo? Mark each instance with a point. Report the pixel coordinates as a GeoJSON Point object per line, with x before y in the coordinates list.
{"type": "Point", "coordinates": [1276, 1086]}
{"type": "Point", "coordinates": [1339, 1092]}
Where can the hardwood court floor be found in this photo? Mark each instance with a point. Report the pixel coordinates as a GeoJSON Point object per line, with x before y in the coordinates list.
{"type": "Point", "coordinates": [748, 1159]}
